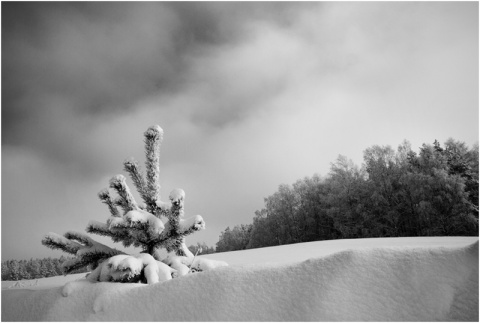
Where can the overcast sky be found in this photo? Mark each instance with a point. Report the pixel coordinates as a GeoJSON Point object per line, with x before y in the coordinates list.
{"type": "Point", "coordinates": [250, 96]}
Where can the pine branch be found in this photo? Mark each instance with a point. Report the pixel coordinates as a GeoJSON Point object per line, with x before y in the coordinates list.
{"type": "Point", "coordinates": [136, 231]}
{"type": "Point", "coordinates": [136, 227]}
{"type": "Point", "coordinates": [119, 184]}
{"type": "Point", "coordinates": [144, 221]}
{"type": "Point", "coordinates": [92, 255]}
{"type": "Point", "coordinates": [74, 264]}
{"type": "Point", "coordinates": [79, 237]}
{"type": "Point", "coordinates": [117, 234]}
{"type": "Point", "coordinates": [98, 228]}
{"type": "Point", "coordinates": [153, 139]}
{"type": "Point", "coordinates": [131, 166]}
{"type": "Point", "coordinates": [88, 252]}
{"type": "Point", "coordinates": [89, 257]}
{"type": "Point", "coordinates": [119, 201]}
{"type": "Point", "coordinates": [162, 208]}
{"type": "Point", "coordinates": [56, 241]}
{"type": "Point", "coordinates": [98, 250]}
{"type": "Point", "coordinates": [104, 196]}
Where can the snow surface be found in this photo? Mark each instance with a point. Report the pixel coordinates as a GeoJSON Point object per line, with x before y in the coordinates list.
{"type": "Point", "coordinates": [388, 279]}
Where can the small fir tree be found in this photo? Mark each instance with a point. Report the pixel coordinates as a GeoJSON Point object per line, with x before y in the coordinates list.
{"type": "Point", "coordinates": [139, 225]}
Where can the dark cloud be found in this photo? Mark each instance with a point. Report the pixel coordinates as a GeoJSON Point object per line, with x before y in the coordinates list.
{"type": "Point", "coordinates": [96, 64]}
{"type": "Point", "coordinates": [69, 60]}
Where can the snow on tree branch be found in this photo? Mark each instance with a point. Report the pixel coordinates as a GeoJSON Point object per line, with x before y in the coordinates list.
{"type": "Point", "coordinates": [132, 269]}
{"type": "Point", "coordinates": [56, 241]}
{"type": "Point", "coordinates": [117, 234]}
{"type": "Point", "coordinates": [104, 196]}
{"type": "Point", "coordinates": [140, 226]}
{"type": "Point", "coordinates": [88, 252]}
{"type": "Point", "coordinates": [153, 139]}
{"type": "Point", "coordinates": [131, 166]}
{"type": "Point", "coordinates": [119, 183]}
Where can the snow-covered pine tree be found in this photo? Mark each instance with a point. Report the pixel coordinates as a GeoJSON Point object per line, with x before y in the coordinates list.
{"type": "Point", "coordinates": [138, 225]}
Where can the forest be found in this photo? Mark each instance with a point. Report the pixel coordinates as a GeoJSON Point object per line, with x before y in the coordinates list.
{"type": "Point", "coordinates": [394, 193]}
{"type": "Point", "coordinates": [33, 268]}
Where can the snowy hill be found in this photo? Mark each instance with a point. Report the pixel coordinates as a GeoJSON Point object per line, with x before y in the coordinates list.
{"type": "Point", "coordinates": [390, 279]}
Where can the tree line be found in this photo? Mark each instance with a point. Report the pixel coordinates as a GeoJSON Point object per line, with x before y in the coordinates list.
{"type": "Point", "coordinates": [32, 269]}
{"type": "Point", "coordinates": [394, 193]}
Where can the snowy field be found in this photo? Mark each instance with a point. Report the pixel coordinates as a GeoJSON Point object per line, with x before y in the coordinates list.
{"type": "Point", "coordinates": [387, 279]}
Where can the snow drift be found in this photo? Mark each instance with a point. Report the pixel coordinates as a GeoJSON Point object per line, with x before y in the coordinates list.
{"type": "Point", "coordinates": [427, 283]}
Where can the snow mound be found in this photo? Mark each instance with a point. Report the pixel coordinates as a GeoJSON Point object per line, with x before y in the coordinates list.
{"type": "Point", "coordinates": [184, 265]}
{"type": "Point", "coordinates": [128, 268]}
{"type": "Point", "coordinates": [372, 284]}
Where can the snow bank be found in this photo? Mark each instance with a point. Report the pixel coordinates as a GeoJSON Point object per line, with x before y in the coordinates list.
{"type": "Point", "coordinates": [302, 251]}
{"type": "Point", "coordinates": [393, 283]}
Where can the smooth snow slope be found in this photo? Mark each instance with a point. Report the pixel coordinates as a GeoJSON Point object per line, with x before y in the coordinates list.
{"type": "Point", "coordinates": [303, 251]}
{"type": "Point", "coordinates": [428, 280]}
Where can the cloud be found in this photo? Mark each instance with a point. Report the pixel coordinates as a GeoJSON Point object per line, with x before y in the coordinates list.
{"type": "Point", "coordinates": [93, 61]}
